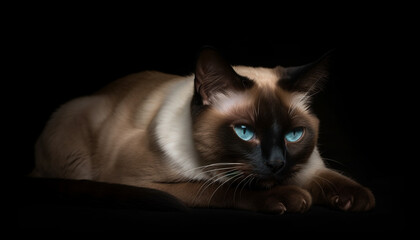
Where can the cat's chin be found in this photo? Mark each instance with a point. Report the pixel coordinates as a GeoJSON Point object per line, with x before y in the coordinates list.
{"type": "Point", "coordinates": [267, 183]}
{"type": "Point", "coordinates": [271, 181]}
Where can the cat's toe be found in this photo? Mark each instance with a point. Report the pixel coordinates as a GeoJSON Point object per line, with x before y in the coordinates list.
{"type": "Point", "coordinates": [299, 204]}
{"type": "Point", "coordinates": [283, 199]}
{"type": "Point", "coordinates": [344, 203]}
{"type": "Point", "coordinates": [296, 199]}
{"type": "Point", "coordinates": [279, 208]}
{"type": "Point", "coordinates": [304, 206]}
{"type": "Point", "coordinates": [273, 206]}
{"type": "Point", "coordinates": [364, 200]}
{"type": "Point", "coordinates": [354, 199]}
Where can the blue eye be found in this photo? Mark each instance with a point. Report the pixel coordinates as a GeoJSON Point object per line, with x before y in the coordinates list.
{"type": "Point", "coordinates": [244, 132]}
{"type": "Point", "coordinates": [294, 135]}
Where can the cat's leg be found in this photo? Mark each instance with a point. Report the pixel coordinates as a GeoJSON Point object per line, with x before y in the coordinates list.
{"type": "Point", "coordinates": [275, 200]}
{"type": "Point", "coordinates": [330, 188]}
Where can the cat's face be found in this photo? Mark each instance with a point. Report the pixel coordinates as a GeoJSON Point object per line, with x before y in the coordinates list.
{"type": "Point", "coordinates": [253, 123]}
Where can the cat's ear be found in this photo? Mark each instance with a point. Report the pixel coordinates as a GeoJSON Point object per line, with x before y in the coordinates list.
{"type": "Point", "coordinates": [308, 78]}
{"type": "Point", "coordinates": [214, 75]}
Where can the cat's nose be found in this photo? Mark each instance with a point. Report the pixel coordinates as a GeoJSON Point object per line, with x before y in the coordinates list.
{"type": "Point", "coordinates": [276, 165]}
{"type": "Point", "coordinates": [276, 161]}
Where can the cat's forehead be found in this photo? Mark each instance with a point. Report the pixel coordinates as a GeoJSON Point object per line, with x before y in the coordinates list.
{"type": "Point", "coordinates": [260, 102]}
{"type": "Point", "coordinates": [263, 77]}
{"type": "Point", "coordinates": [267, 81]}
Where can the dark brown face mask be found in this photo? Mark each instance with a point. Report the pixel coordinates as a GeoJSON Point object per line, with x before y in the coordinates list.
{"type": "Point", "coordinates": [270, 134]}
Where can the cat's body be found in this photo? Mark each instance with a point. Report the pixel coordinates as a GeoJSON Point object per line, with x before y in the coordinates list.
{"type": "Point", "coordinates": [117, 121]}
{"type": "Point", "coordinates": [224, 137]}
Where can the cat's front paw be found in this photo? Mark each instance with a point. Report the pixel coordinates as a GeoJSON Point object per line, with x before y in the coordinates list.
{"type": "Point", "coordinates": [282, 199]}
{"type": "Point", "coordinates": [352, 198]}
{"type": "Point", "coordinates": [340, 192]}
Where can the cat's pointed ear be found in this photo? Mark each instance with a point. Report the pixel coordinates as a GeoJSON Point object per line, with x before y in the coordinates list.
{"type": "Point", "coordinates": [308, 78]}
{"type": "Point", "coordinates": [214, 75]}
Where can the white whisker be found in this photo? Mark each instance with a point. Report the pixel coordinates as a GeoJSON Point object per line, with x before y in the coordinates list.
{"type": "Point", "coordinates": [213, 165]}
{"type": "Point", "coordinates": [247, 182]}
{"type": "Point", "coordinates": [202, 170]}
{"type": "Point", "coordinates": [236, 174]}
{"type": "Point", "coordinates": [334, 161]}
{"type": "Point", "coordinates": [320, 187]}
{"type": "Point", "coordinates": [244, 179]}
{"type": "Point", "coordinates": [324, 180]}
{"type": "Point", "coordinates": [304, 100]}
{"type": "Point", "coordinates": [213, 180]}
{"type": "Point", "coordinates": [252, 179]}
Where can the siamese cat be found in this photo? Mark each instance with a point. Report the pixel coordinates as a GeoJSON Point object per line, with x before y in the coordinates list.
{"type": "Point", "coordinates": [224, 137]}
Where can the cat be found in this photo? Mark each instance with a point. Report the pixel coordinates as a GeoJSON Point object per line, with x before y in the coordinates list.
{"type": "Point", "coordinates": [223, 137]}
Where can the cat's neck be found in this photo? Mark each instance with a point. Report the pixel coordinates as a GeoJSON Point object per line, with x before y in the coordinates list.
{"type": "Point", "coordinates": [173, 129]}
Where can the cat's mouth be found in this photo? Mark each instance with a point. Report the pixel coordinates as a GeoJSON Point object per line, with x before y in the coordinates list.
{"type": "Point", "coordinates": [272, 179]}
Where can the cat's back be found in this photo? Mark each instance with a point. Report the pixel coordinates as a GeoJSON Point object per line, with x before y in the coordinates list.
{"type": "Point", "coordinates": [137, 84]}
{"type": "Point", "coordinates": [140, 96]}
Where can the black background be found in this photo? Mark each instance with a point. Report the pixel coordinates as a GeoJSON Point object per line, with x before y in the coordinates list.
{"type": "Point", "coordinates": [58, 64]}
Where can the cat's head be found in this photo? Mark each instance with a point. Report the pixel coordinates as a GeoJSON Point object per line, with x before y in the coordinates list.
{"type": "Point", "coordinates": [254, 122]}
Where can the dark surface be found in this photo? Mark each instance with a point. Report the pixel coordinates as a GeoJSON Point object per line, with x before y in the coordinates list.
{"type": "Point", "coordinates": [53, 204]}
{"type": "Point", "coordinates": [355, 137]}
